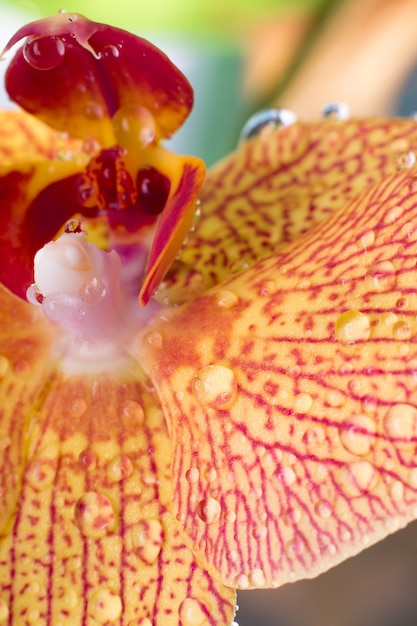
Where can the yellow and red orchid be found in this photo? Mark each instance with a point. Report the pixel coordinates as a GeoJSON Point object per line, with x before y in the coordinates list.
{"type": "Point", "coordinates": [254, 423]}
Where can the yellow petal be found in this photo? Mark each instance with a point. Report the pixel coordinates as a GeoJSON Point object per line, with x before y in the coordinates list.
{"type": "Point", "coordinates": [291, 397]}
{"type": "Point", "coordinates": [274, 188]}
{"type": "Point", "coordinates": [89, 537]}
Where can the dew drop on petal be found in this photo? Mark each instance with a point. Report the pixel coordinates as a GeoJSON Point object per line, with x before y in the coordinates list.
{"type": "Point", "coordinates": [404, 160]}
{"type": "Point", "coordinates": [94, 515]}
{"type": "Point", "coordinates": [359, 437]}
{"type": "Point", "coordinates": [357, 478]}
{"type": "Point", "coordinates": [352, 327]}
{"type": "Point", "coordinates": [192, 475]}
{"type": "Point", "coordinates": [147, 538]}
{"type": "Point", "coordinates": [267, 121]}
{"type": "Point", "coordinates": [153, 339]}
{"type": "Point", "coordinates": [40, 474]}
{"type": "Point", "coordinates": [92, 291]}
{"type": "Point", "coordinates": [105, 606]}
{"type": "Point", "coordinates": [209, 510]}
{"type": "Point", "coordinates": [134, 411]}
{"type": "Point", "coordinates": [303, 402]}
{"type": "Point", "coordinates": [4, 610]}
{"type": "Point", "coordinates": [324, 509]}
{"type": "Point", "coordinates": [381, 277]}
{"type": "Point", "coordinates": [336, 110]}
{"type": "Point", "coordinates": [400, 425]}
{"type": "Point", "coordinates": [192, 612]}
{"type": "Point", "coordinates": [366, 240]}
{"type": "Point", "coordinates": [314, 436]}
{"type": "Point", "coordinates": [402, 331]}
{"type": "Point", "coordinates": [226, 299]}
{"type": "Point", "coordinates": [396, 490]}
{"type": "Point", "coordinates": [134, 127]}
{"type": "Point", "coordinates": [88, 459]}
{"type": "Point", "coordinates": [44, 53]}
{"type": "Point", "coordinates": [4, 365]}
{"type": "Point", "coordinates": [215, 386]}
{"type": "Point", "coordinates": [119, 468]}
{"type": "Point", "coordinates": [257, 577]}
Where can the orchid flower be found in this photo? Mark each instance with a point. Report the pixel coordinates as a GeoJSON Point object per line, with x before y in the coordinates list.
{"type": "Point", "coordinates": [183, 418]}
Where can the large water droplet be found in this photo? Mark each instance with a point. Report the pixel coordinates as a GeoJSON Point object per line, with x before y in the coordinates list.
{"type": "Point", "coordinates": [41, 474]}
{"type": "Point", "coordinates": [134, 411]}
{"type": "Point", "coordinates": [257, 578]}
{"type": "Point", "coordinates": [192, 612]}
{"type": "Point", "coordinates": [105, 606]}
{"type": "Point", "coordinates": [134, 127]}
{"type": "Point", "coordinates": [119, 468]}
{"type": "Point", "coordinates": [381, 277]}
{"type": "Point", "coordinates": [314, 436]}
{"type": "Point", "coordinates": [352, 327]}
{"type": "Point", "coordinates": [336, 110]}
{"type": "Point", "coordinates": [94, 515]}
{"type": "Point", "coordinates": [357, 478]}
{"type": "Point", "coordinates": [147, 539]}
{"type": "Point", "coordinates": [192, 475]}
{"type": "Point", "coordinates": [44, 53]}
{"type": "Point", "coordinates": [209, 510]}
{"type": "Point", "coordinates": [93, 291]}
{"type": "Point", "coordinates": [266, 121]}
{"type": "Point", "coordinates": [226, 299]}
{"type": "Point", "coordinates": [88, 459]}
{"type": "Point", "coordinates": [215, 386]}
{"type": "Point", "coordinates": [359, 437]}
{"type": "Point", "coordinates": [303, 402]}
{"type": "Point", "coordinates": [400, 424]}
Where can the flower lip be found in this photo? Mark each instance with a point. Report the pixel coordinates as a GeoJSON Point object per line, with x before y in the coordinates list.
{"type": "Point", "coordinates": [95, 70]}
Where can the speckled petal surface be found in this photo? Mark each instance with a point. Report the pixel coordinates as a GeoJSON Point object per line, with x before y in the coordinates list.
{"type": "Point", "coordinates": [274, 188]}
{"type": "Point", "coordinates": [291, 396]}
{"type": "Point", "coordinates": [90, 539]}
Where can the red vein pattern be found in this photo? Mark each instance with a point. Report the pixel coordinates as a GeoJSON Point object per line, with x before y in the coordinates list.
{"type": "Point", "coordinates": [275, 188]}
{"type": "Point", "coordinates": [86, 536]}
{"type": "Point", "coordinates": [291, 396]}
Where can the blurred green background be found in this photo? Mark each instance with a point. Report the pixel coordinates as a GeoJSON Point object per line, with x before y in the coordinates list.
{"type": "Point", "coordinates": [241, 55]}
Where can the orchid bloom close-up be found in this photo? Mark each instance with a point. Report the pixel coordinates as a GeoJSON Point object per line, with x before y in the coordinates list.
{"type": "Point", "coordinates": [205, 385]}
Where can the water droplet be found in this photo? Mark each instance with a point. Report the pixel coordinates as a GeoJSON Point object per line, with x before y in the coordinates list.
{"type": "Point", "coordinates": [402, 303]}
{"type": "Point", "coordinates": [210, 474]}
{"type": "Point", "coordinates": [134, 411]}
{"type": "Point", "coordinates": [134, 127]}
{"type": "Point", "coordinates": [147, 539]}
{"type": "Point", "coordinates": [335, 398]}
{"type": "Point", "coordinates": [209, 510]}
{"type": "Point", "coordinates": [44, 53]}
{"type": "Point", "coordinates": [119, 468]}
{"type": "Point", "coordinates": [303, 402]}
{"type": "Point", "coordinates": [324, 509]}
{"type": "Point", "coordinates": [78, 407]}
{"type": "Point", "coordinates": [257, 578]}
{"type": "Point", "coordinates": [193, 612]}
{"type": "Point", "coordinates": [359, 437]}
{"type": "Point", "coordinates": [267, 121]}
{"type": "Point", "coordinates": [260, 532]}
{"type": "Point", "coordinates": [94, 515]}
{"type": "Point", "coordinates": [88, 459]}
{"type": "Point", "coordinates": [4, 610]}
{"type": "Point", "coordinates": [215, 386]}
{"type": "Point", "coordinates": [242, 582]}
{"type": "Point", "coordinates": [314, 436]}
{"type": "Point", "coordinates": [352, 327]}
{"type": "Point", "coordinates": [4, 365]}
{"type": "Point", "coordinates": [153, 339]}
{"type": "Point", "coordinates": [40, 474]}
{"type": "Point", "coordinates": [404, 160]}
{"type": "Point", "coordinates": [292, 516]}
{"type": "Point", "coordinates": [192, 475]}
{"type": "Point", "coordinates": [336, 110]}
{"type": "Point", "coordinates": [110, 52]}
{"type": "Point", "coordinates": [381, 277]}
{"type": "Point", "coordinates": [400, 424]}
{"type": "Point", "coordinates": [396, 490]}
{"type": "Point", "coordinates": [93, 291]}
{"type": "Point", "coordinates": [295, 548]}
{"type": "Point", "coordinates": [288, 475]}
{"type": "Point", "coordinates": [357, 478]}
{"type": "Point", "coordinates": [105, 606]}
{"type": "Point", "coordinates": [401, 331]}
{"type": "Point", "coordinates": [94, 111]}
{"type": "Point", "coordinates": [367, 239]}
{"type": "Point", "coordinates": [267, 288]}
{"type": "Point", "coordinates": [393, 214]}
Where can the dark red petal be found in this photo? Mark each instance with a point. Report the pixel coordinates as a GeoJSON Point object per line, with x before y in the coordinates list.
{"type": "Point", "coordinates": [75, 74]}
{"type": "Point", "coordinates": [30, 218]}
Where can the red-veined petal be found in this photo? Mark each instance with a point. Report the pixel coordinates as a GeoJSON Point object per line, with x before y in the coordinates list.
{"type": "Point", "coordinates": [277, 186]}
{"type": "Point", "coordinates": [74, 74]}
{"type": "Point", "coordinates": [86, 533]}
{"type": "Point", "coordinates": [290, 392]}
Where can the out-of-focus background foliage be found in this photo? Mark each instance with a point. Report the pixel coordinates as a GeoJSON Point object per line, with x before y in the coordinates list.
{"type": "Point", "coordinates": [241, 55]}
